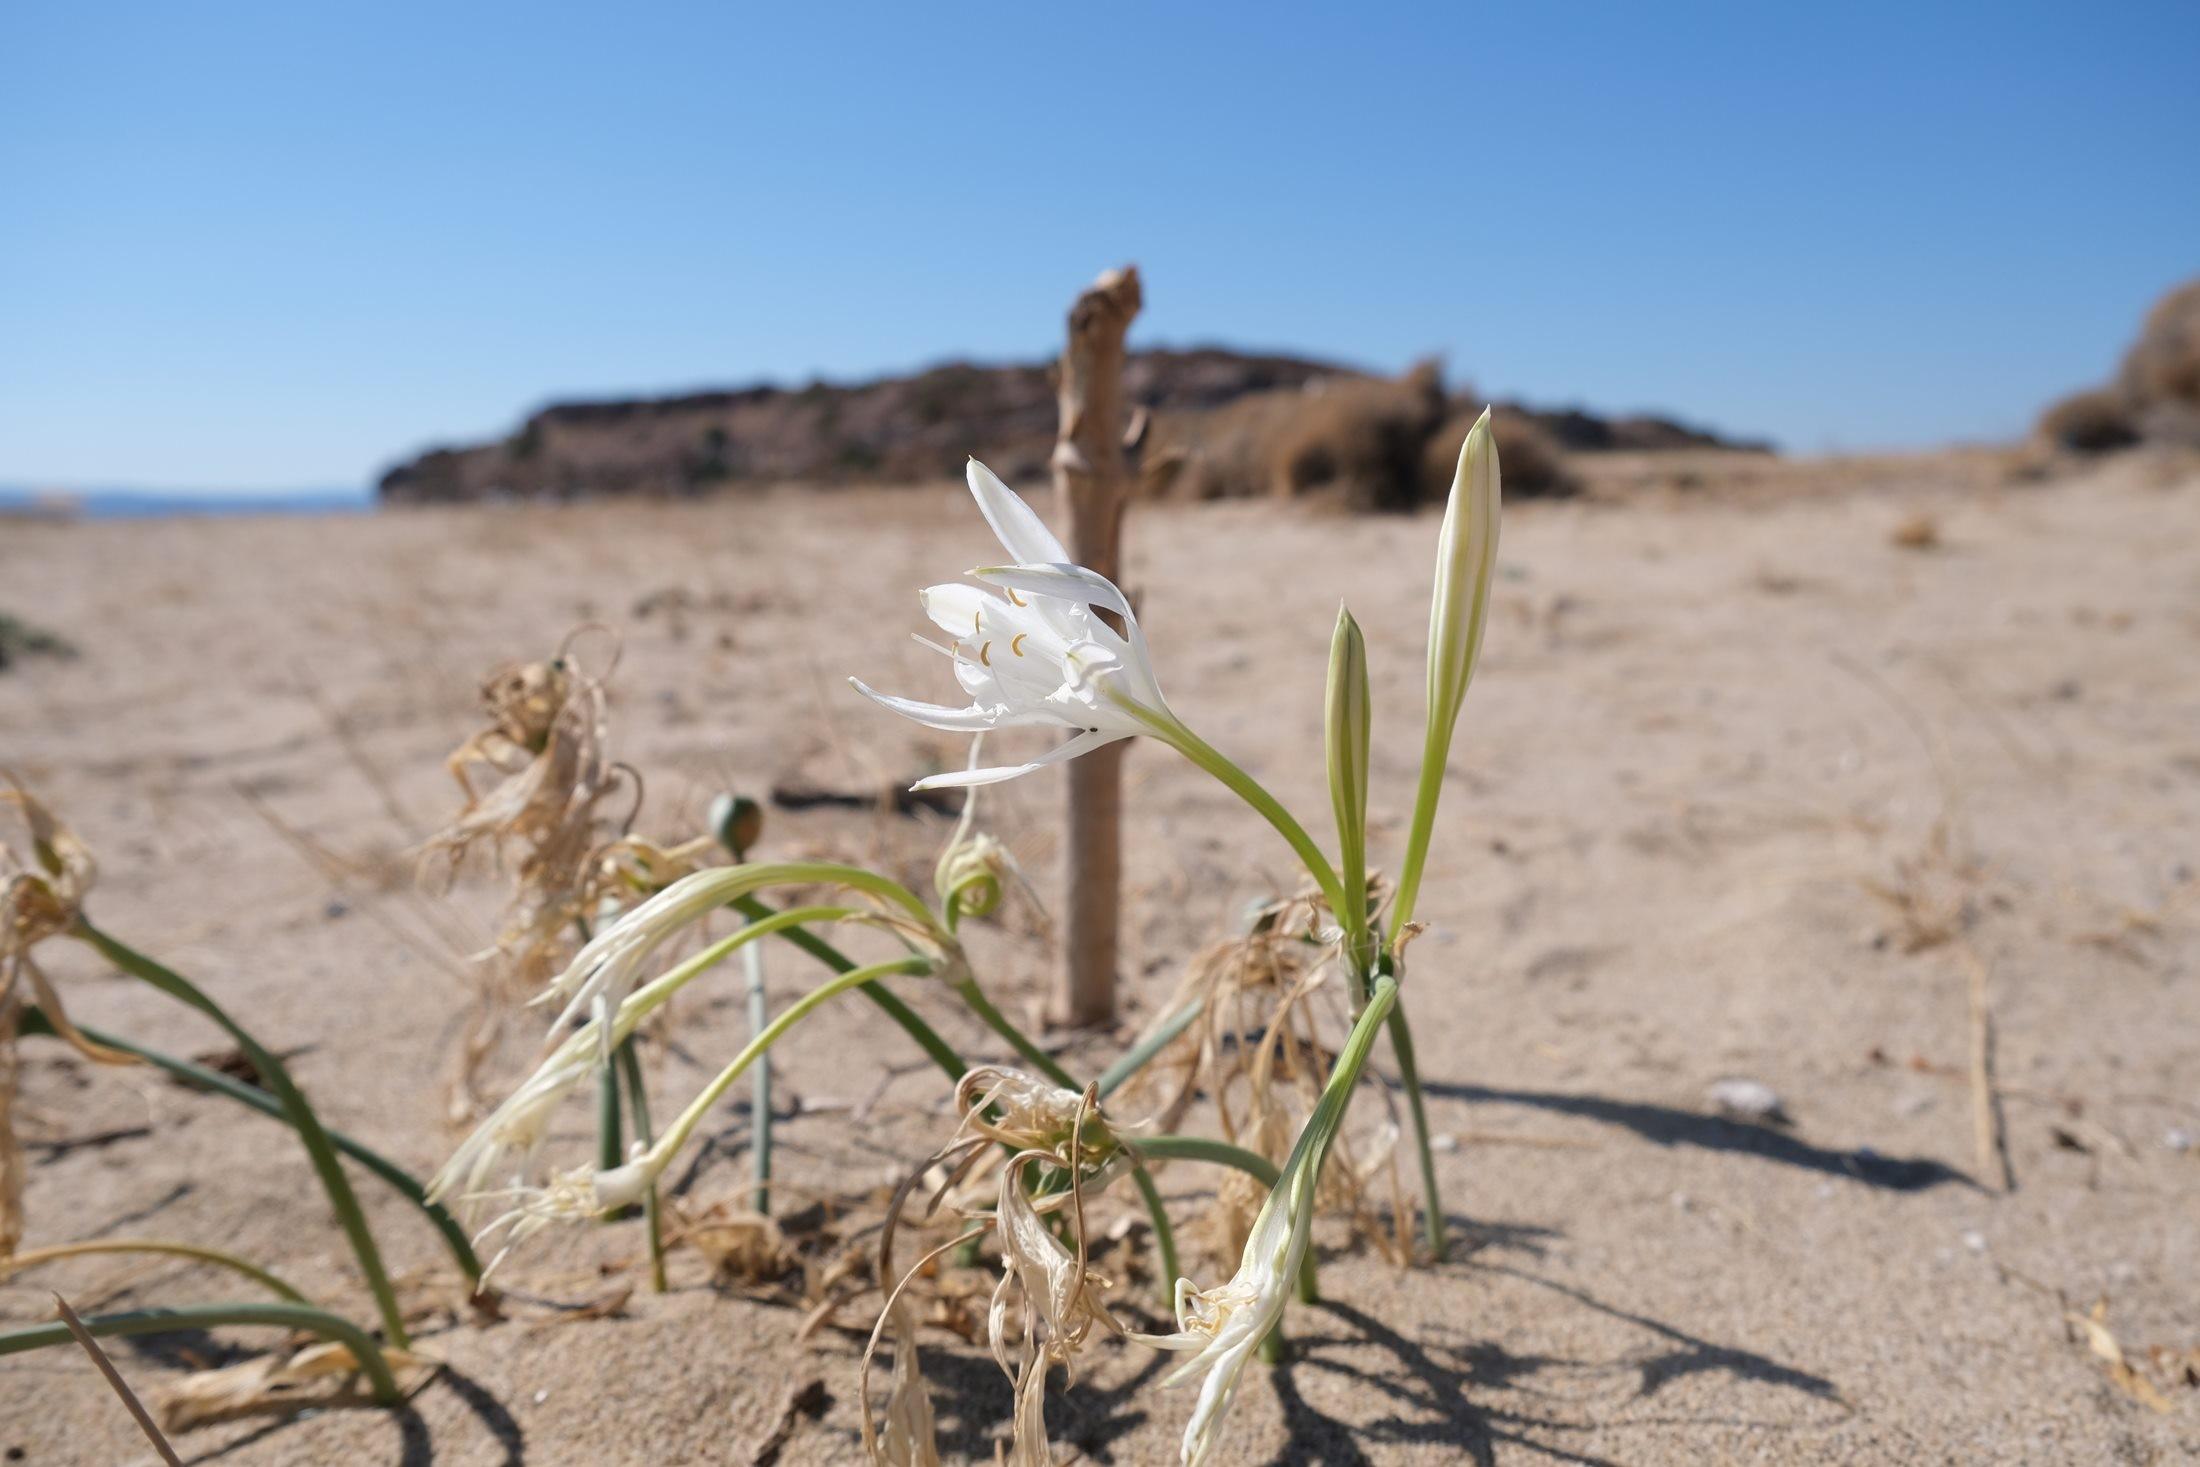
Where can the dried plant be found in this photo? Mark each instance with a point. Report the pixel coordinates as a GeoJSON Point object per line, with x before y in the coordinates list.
{"type": "Point", "coordinates": [546, 746]}
{"type": "Point", "coordinates": [40, 898]}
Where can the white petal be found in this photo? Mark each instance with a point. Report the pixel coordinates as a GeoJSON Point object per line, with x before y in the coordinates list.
{"type": "Point", "coordinates": [1021, 532]}
{"type": "Point", "coordinates": [1083, 587]}
{"type": "Point", "coordinates": [1084, 743]}
{"type": "Point", "coordinates": [934, 715]}
{"type": "Point", "coordinates": [1061, 580]}
{"type": "Point", "coordinates": [957, 609]}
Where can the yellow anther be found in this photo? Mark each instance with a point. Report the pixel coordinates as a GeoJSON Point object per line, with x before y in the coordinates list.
{"type": "Point", "coordinates": [1016, 643]}
{"type": "Point", "coordinates": [1020, 601]}
{"type": "Point", "coordinates": [985, 655]}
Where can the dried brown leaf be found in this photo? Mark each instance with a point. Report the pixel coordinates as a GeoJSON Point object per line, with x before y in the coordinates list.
{"type": "Point", "coordinates": [318, 1376]}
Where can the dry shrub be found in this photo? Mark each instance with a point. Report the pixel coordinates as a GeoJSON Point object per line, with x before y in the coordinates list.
{"type": "Point", "coordinates": [2161, 372]}
{"type": "Point", "coordinates": [2156, 394]}
{"type": "Point", "coordinates": [1355, 439]}
{"type": "Point", "coordinates": [1272, 1012]}
{"type": "Point", "coordinates": [1533, 463]}
{"type": "Point", "coordinates": [1915, 532]}
{"type": "Point", "coordinates": [2093, 421]}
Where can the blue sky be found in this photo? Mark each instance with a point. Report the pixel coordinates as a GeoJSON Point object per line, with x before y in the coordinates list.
{"type": "Point", "coordinates": [283, 245]}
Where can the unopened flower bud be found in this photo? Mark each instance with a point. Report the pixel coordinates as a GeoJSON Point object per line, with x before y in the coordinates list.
{"type": "Point", "coordinates": [738, 823]}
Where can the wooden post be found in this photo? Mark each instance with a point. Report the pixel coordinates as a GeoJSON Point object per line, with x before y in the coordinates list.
{"type": "Point", "coordinates": [1093, 474]}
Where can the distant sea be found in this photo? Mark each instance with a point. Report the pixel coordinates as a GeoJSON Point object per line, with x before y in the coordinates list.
{"type": "Point", "coordinates": [114, 503]}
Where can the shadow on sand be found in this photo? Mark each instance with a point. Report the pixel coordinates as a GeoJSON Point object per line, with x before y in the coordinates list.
{"type": "Point", "coordinates": [1665, 1126]}
{"type": "Point", "coordinates": [1427, 1387]}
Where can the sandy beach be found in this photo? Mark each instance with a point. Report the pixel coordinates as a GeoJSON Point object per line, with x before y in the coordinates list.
{"type": "Point", "coordinates": [1749, 775]}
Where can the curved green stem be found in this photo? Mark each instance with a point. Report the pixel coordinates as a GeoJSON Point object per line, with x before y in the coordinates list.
{"type": "Point", "coordinates": [33, 1257]}
{"type": "Point", "coordinates": [1432, 1201]}
{"type": "Point", "coordinates": [1207, 1148]}
{"type": "Point", "coordinates": [942, 1053]}
{"type": "Point", "coordinates": [668, 1145]}
{"type": "Point", "coordinates": [214, 1081]}
{"type": "Point", "coordinates": [630, 1070]}
{"type": "Point", "coordinates": [1157, 1213]}
{"type": "Point", "coordinates": [1250, 790]}
{"type": "Point", "coordinates": [1164, 1235]}
{"type": "Point", "coordinates": [211, 1316]}
{"type": "Point", "coordinates": [296, 1110]}
{"type": "Point", "coordinates": [1138, 1056]}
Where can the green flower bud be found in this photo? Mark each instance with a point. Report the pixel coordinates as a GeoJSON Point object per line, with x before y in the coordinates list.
{"type": "Point", "coordinates": [1346, 730]}
{"type": "Point", "coordinates": [1466, 563]}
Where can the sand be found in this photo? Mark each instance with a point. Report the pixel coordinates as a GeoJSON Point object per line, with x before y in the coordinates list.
{"type": "Point", "coordinates": [1706, 726]}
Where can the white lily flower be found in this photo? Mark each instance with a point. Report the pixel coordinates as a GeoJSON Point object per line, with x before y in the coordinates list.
{"type": "Point", "coordinates": [1036, 655]}
{"type": "Point", "coordinates": [570, 1196]}
{"type": "Point", "coordinates": [505, 1145]}
{"type": "Point", "coordinates": [1226, 1324]}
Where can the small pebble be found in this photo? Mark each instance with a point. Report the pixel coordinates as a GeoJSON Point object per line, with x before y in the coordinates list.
{"type": "Point", "coordinates": [541, 1396]}
{"type": "Point", "coordinates": [2177, 1138]}
{"type": "Point", "coordinates": [1975, 1241]}
{"type": "Point", "coordinates": [1747, 1100]}
{"type": "Point", "coordinates": [1443, 1141]}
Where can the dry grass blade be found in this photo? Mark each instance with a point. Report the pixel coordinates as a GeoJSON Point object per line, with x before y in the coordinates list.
{"type": "Point", "coordinates": [316, 1377]}
{"type": "Point", "coordinates": [116, 1383]}
{"type": "Point", "coordinates": [2121, 1373]}
{"type": "Point", "coordinates": [12, 1160]}
{"type": "Point", "coordinates": [1989, 1135]}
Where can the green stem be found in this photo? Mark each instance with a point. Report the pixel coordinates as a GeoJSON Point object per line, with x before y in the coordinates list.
{"type": "Point", "coordinates": [302, 1119]}
{"type": "Point", "coordinates": [33, 1257]}
{"type": "Point", "coordinates": [1432, 1201]}
{"type": "Point", "coordinates": [760, 1096]}
{"type": "Point", "coordinates": [610, 1128]}
{"type": "Point", "coordinates": [630, 1068]}
{"type": "Point", "coordinates": [211, 1316]}
{"type": "Point", "coordinates": [1207, 1148]}
{"type": "Point", "coordinates": [1136, 1058]}
{"type": "Point", "coordinates": [1249, 789]}
{"type": "Point", "coordinates": [943, 1054]}
{"type": "Point", "coordinates": [1430, 789]}
{"type": "Point", "coordinates": [1164, 1235]}
{"type": "Point", "coordinates": [215, 1082]}
{"type": "Point", "coordinates": [662, 1150]}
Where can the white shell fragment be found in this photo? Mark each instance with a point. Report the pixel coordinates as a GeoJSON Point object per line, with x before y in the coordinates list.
{"type": "Point", "coordinates": [1747, 1100]}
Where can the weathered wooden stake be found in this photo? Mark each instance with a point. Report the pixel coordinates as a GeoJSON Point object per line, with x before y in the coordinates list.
{"type": "Point", "coordinates": [1093, 474]}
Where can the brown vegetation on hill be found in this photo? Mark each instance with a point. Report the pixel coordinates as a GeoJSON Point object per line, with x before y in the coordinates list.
{"type": "Point", "coordinates": [2156, 394]}
{"type": "Point", "coordinates": [1223, 425]}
